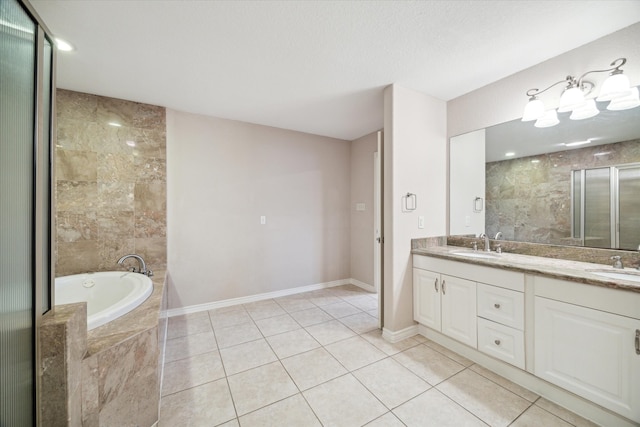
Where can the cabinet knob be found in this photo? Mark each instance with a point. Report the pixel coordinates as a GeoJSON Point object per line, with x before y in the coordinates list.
{"type": "Point", "coordinates": [436, 285]}
{"type": "Point", "coordinates": [496, 305]}
{"type": "Point", "coordinates": [443, 290]}
{"type": "Point", "coordinates": [497, 342]}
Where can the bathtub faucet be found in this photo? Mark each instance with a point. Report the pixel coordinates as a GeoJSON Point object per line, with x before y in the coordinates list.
{"type": "Point", "coordinates": [141, 263]}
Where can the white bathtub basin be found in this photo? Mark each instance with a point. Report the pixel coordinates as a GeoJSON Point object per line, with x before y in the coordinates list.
{"type": "Point", "coordinates": [108, 294]}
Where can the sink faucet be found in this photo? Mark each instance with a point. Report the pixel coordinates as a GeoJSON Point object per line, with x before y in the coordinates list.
{"type": "Point", "coordinates": [617, 262]}
{"type": "Point", "coordinates": [487, 246]}
{"type": "Point", "coordinates": [142, 266]}
{"type": "Point", "coordinates": [498, 235]}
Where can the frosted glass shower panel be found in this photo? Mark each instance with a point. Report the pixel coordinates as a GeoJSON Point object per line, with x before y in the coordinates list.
{"type": "Point", "coordinates": [629, 207]}
{"type": "Point", "coordinates": [597, 208]}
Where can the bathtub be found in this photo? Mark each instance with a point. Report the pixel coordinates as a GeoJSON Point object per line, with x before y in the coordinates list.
{"type": "Point", "coordinates": [109, 294]}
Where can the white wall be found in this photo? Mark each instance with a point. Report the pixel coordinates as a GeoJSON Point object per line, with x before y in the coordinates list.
{"type": "Point", "coordinates": [414, 161]}
{"type": "Point", "coordinates": [505, 99]}
{"type": "Point", "coordinates": [467, 181]}
{"type": "Point", "coordinates": [222, 175]}
{"type": "Point", "coordinates": [362, 226]}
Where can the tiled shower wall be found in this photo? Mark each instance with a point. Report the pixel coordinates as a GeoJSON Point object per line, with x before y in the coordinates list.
{"type": "Point", "coordinates": [531, 202]}
{"type": "Point", "coordinates": [110, 182]}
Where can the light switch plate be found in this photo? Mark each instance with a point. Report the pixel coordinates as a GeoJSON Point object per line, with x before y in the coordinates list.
{"type": "Point", "coordinates": [263, 220]}
{"type": "Point", "coordinates": [421, 221]}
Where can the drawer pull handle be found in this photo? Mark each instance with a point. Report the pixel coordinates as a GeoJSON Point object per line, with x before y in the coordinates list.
{"type": "Point", "coordinates": [497, 342]}
{"type": "Point", "coordinates": [443, 292]}
{"type": "Point", "coordinates": [436, 285]}
{"type": "Point", "coordinates": [496, 305]}
{"type": "Point", "coordinates": [637, 341]}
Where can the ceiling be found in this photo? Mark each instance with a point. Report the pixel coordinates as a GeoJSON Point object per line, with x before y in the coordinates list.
{"type": "Point", "coordinates": [312, 66]}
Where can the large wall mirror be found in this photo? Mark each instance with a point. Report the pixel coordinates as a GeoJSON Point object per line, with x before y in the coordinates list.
{"type": "Point", "coordinates": [576, 183]}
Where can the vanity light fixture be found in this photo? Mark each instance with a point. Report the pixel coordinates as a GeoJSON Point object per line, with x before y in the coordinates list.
{"type": "Point", "coordinates": [616, 90]}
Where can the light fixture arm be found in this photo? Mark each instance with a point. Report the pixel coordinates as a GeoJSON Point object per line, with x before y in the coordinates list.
{"type": "Point", "coordinates": [532, 93]}
{"type": "Point", "coordinates": [614, 70]}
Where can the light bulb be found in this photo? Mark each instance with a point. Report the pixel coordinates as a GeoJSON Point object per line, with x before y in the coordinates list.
{"type": "Point", "coordinates": [616, 85]}
{"type": "Point", "coordinates": [549, 119]}
{"type": "Point", "coordinates": [588, 110]}
{"type": "Point", "coordinates": [626, 102]}
{"type": "Point", "coordinates": [533, 110]}
{"type": "Point", "coordinates": [571, 98]}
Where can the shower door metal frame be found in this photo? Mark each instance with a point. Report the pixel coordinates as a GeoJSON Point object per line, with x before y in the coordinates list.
{"type": "Point", "coordinates": [614, 201]}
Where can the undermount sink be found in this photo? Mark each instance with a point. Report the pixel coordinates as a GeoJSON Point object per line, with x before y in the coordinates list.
{"type": "Point", "coordinates": [619, 275]}
{"type": "Point", "coordinates": [482, 255]}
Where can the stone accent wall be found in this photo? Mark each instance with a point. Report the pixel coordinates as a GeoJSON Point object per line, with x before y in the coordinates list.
{"type": "Point", "coordinates": [110, 182]}
{"type": "Point", "coordinates": [531, 202]}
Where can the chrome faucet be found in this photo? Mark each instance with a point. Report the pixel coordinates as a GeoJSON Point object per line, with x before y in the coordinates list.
{"type": "Point", "coordinates": [487, 245]}
{"type": "Point", "coordinates": [498, 235]}
{"type": "Point", "coordinates": [617, 262]}
{"type": "Point", "coordinates": [142, 266]}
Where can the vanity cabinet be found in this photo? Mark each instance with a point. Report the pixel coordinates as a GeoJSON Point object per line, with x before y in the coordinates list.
{"type": "Point", "coordinates": [445, 303]}
{"type": "Point", "coordinates": [589, 351]}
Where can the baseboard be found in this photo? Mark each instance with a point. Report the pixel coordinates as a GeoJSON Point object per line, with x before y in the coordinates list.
{"type": "Point", "coordinates": [362, 285]}
{"type": "Point", "coordinates": [396, 336]}
{"type": "Point", "coordinates": [253, 298]}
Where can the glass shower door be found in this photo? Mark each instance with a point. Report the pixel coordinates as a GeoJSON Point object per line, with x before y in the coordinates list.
{"type": "Point", "coordinates": [597, 208]}
{"type": "Point", "coordinates": [17, 266]}
{"type": "Point", "coordinates": [629, 207]}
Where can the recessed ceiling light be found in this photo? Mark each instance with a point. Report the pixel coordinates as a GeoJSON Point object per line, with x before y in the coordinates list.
{"type": "Point", "coordinates": [63, 46]}
{"type": "Point", "coordinates": [573, 144]}
{"type": "Point", "coordinates": [114, 124]}
{"type": "Point", "coordinates": [509, 154]}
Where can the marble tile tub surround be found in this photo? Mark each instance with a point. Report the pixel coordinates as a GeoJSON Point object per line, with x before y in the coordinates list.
{"type": "Point", "coordinates": [532, 201]}
{"type": "Point", "coordinates": [113, 371]}
{"type": "Point", "coordinates": [110, 182]}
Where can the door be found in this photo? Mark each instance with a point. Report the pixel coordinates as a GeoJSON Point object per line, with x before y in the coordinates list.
{"type": "Point", "coordinates": [589, 352]}
{"type": "Point", "coordinates": [458, 307]}
{"type": "Point", "coordinates": [426, 298]}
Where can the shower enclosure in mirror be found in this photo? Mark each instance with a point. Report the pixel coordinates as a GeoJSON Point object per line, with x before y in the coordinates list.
{"type": "Point", "coordinates": [527, 176]}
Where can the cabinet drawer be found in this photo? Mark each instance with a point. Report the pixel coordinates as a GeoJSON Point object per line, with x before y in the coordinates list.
{"type": "Point", "coordinates": [501, 305]}
{"type": "Point", "coordinates": [501, 342]}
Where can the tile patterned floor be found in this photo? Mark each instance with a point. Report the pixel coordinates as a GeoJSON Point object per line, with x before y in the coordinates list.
{"type": "Point", "coordinates": [318, 359]}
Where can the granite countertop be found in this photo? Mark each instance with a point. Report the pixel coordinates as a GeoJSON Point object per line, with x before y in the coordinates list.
{"type": "Point", "coordinates": [575, 271]}
{"type": "Point", "coordinates": [142, 318]}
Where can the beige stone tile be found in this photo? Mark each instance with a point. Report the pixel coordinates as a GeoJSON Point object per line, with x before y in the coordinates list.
{"type": "Point", "coordinates": [291, 343]}
{"type": "Point", "coordinates": [493, 404]}
{"type": "Point", "coordinates": [294, 303]}
{"type": "Point", "coordinates": [229, 316]}
{"type": "Point", "coordinates": [450, 354]}
{"type": "Point", "coordinates": [433, 409]}
{"type": "Point", "coordinates": [153, 250]}
{"type": "Point", "coordinates": [360, 322]}
{"type": "Point", "coordinates": [374, 313]}
{"type": "Point", "coordinates": [264, 309]}
{"type": "Point", "coordinates": [187, 324]}
{"type": "Point", "coordinates": [148, 169]}
{"type": "Point", "coordinates": [341, 309]}
{"type": "Point", "coordinates": [312, 368]}
{"type": "Point", "coordinates": [190, 345]}
{"type": "Point", "coordinates": [428, 364]}
{"type": "Point", "coordinates": [260, 387]}
{"type": "Point", "coordinates": [113, 225]}
{"type": "Point", "coordinates": [563, 413]}
{"type": "Point", "coordinates": [110, 251]}
{"type": "Point", "coordinates": [277, 325]}
{"type": "Point", "coordinates": [247, 356]}
{"type": "Point", "coordinates": [375, 338]}
{"type": "Point", "coordinates": [72, 227]}
{"type": "Point", "coordinates": [115, 196]}
{"type": "Point", "coordinates": [420, 338]}
{"type": "Point", "coordinates": [76, 105]}
{"type": "Point", "coordinates": [536, 416]}
{"type": "Point", "coordinates": [390, 382]}
{"type": "Point", "coordinates": [324, 299]}
{"type": "Point", "coordinates": [511, 386]}
{"type": "Point", "coordinates": [116, 167]}
{"type": "Point", "coordinates": [150, 196]}
{"type": "Point", "coordinates": [150, 224]}
{"type": "Point", "coordinates": [292, 411]}
{"type": "Point", "coordinates": [150, 143]}
{"type": "Point", "coordinates": [205, 405]}
{"type": "Point", "coordinates": [354, 353]}
{"type": "Point", "coordinates": [76, 196]}
{"type": "Point", "coordinates": [77, 257]}
{"type": "Point", "coordinates": [232, 423]}
{"type": "Point", "coordinates": [309, 317]}
{"type": "Point", "coordinates": [387, 420]}
{"type": "Point", "coordinates": [237, 334]}
{"type": "Point", "coordinates": [330, 332]}
{"type": "Point", "coordinates": [344, 402]}
{"type": "Point", "coordinates": [76, 165]}
{"type": "Point", "coordinates": [190, 372]}
{"type": "Point", "coordinates": [129, 113]}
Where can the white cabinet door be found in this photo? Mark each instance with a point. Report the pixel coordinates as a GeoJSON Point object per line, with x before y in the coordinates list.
{"type": "Point", "coordinates": [459, 309]}
{"type": "Point", "coordinates": [589, 352]}
{"type": "Point", "coordinates": [426, 298]}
